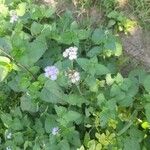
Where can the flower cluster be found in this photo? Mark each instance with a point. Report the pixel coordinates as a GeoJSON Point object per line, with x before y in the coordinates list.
{"type": "Point", "coordinates": [14, 17]}
{"type": "Point", "coordinates": [51, 72]}
{"type": "Point", "coordinates": [74, 76]}
{"type": "Point", "coordinates": [55, 130]}
{"type": "Point", "coordinates": [71, 53]}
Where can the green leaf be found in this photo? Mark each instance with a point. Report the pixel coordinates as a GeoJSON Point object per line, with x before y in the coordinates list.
{"type": "Point", "coordinates": [146, 83]}
{"type": "Point", "coordinates": [64, 145]}
{"type": "Point", "coordinates": [74, 138]}
{"type": "Point", "coordinates": [34, 51]}
{"type": "Point", "coordinates": [83, 34]}
{"type": "Point", "coordinates": [4, 67]}
{"type": "Point", "coordinates": [92, 145]}
{"type": "Point", "coordinates": [21, 9]}
{"type": "Point", "coordinates": [131, 143]}
{"type": "Point", "coordinates": [5, 45]}
{"type": "Point", "coordinates": [36, 28]}
{"type": "Point", "coordinates": [50, 123]}
{"type": "Point", "coordinates": [4, 59]}
{"type": "Point", "coordinates": [118, 50]}
{"type": "Point", "coordinates": [6, 119]}
{"type": "Point", "coordinates": [52, 93]}
{"type": "Point", "coordinates": [101, 69]}
{"type": "Point", "coordinates": [74, 99]}
{"type": "Point", "coordinates": [3, 72]}
{"type": "Point", "coordinates": [60, 110]}
{"type": "Point", "coordinates": [92, 84]}
{"type": "Point", "coordinates": [72, 116]}
{"type": "Point", "coordinates": [27, 104]}
{"type": "Point", "coordinates": [98, 36]}
{"type": "Point", "coordinates": [98, 146]}
{"type": "Point", "coordinates": [48, 12]}
{"type": "Point", "coordinates": [92, 67]}
{"type": "Point", "coordinates": [18, 138]}
{"type": "Point", "coordinates": [95, 51]}
{"type": "Point", "coordinates": [83, 63]}
{"type": "Point", "coordinates": [69, 37]}
{"type": "Point", "coordinates": [17, 125]}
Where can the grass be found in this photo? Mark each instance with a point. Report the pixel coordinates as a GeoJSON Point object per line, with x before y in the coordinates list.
{"type": "Point", "coordinates": [141, 9]}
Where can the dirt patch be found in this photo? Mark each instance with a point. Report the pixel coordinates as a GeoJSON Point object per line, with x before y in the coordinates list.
{"type": "Point", "coordinates": [137, 46]}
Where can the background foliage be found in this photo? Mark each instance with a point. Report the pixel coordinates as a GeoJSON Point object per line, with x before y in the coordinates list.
{"type": "Point", "coordinates": [104, 110]}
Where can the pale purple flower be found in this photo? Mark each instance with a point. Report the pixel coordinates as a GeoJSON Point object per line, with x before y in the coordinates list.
{"type": "Point", "coordinates": [14, 17]}
{"type": "Point", "coordinates": [51, 72]}
{"type": "Point", "coordinates": [71, 53]}
{"type": "Point", "coordinates": [55, 130]}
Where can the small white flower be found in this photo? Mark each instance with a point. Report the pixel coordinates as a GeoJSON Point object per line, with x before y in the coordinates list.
{"type": "Point", "coordinates": [8, 148]}
{"type": "Point", "coordinates": [9, 135]}
{"type": "Point", "coordinates": [71, 53]}
{"type": "Point", "coordinates": [74, 76]}
{"type": "Point", "coordinates": [65, 54]}
{"type": "Point", "coordinates": [14, 17]}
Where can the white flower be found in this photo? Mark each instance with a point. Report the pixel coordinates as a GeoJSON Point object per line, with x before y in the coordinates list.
{"type": "Point", "coordinates": [55, 130]}
{"type": "Point", "coordinates": [8, 148]}
{"type": "Point", "coordinates": [14, 17]}
{"type": "Point", "coordinates": [9, 135]}
{"type": "Point", "coordinates": [74, 76]}
{"type": "Point", "coordinates": [65, 54]}
{"type": "Point", "coordinates": [71, 53]}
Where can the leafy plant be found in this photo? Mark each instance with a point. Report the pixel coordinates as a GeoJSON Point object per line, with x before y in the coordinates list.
{"type": "Point", "coordinates": [61, 88]}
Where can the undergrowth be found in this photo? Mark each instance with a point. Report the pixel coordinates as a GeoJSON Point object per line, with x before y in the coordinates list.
{"type": "Point", "coordinates": [61, 86]}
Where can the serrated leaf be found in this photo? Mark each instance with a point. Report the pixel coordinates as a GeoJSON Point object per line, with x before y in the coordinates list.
{"type": "Point", "coordinates": [52, 93]}
{"type": "Point", "coordinates": [92, 84]}
{"type": "Point", "coordinates": [83, 34]}
{"type": "Point", "coordinates": [6, 119]}
{"type": "Point", "coordinates": [131, 143]}
{"type": "Point", "coordinates": [74, 99]}
{"type": "Point", "coordinates": [27, 104]}
{"type": "Point", "coordinates": [72, 116]}
{"type": "Point", "coordinates": [98, 36]}
{"type": "Point", "coordinates": [34, 51]}
{"type": "Point", "coordinates": [92, 67]}
{"type": "Point", "coordinates": [84, 63]}
{"type": "Point", "coordinates": [36, 28]}
{"type": "Point", "coordinates": [50, 123]}
{"type": "Point", "coordinates": [95, 51]}
{"type": "Point", "coordinates": [64, 145]}
{"type": "Point", "coordinates": [69, 37]}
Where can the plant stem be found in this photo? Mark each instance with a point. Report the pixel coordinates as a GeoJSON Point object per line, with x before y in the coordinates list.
{"type": "Point", "coordinates": [17, 63]}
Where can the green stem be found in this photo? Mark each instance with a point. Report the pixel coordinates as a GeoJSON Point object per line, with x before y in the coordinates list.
{"type": "Point", "coordinates": [79, 90]}
{"type": "Point", "coordinates": [17, 63]}
{"type": "Point", "coordinates": [127, 126]}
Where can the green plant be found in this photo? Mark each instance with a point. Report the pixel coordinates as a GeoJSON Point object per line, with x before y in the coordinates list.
{"type": "Point", "coordinates": [60, 85]}
{"type": "Point", "coordinates": [120, 22]}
